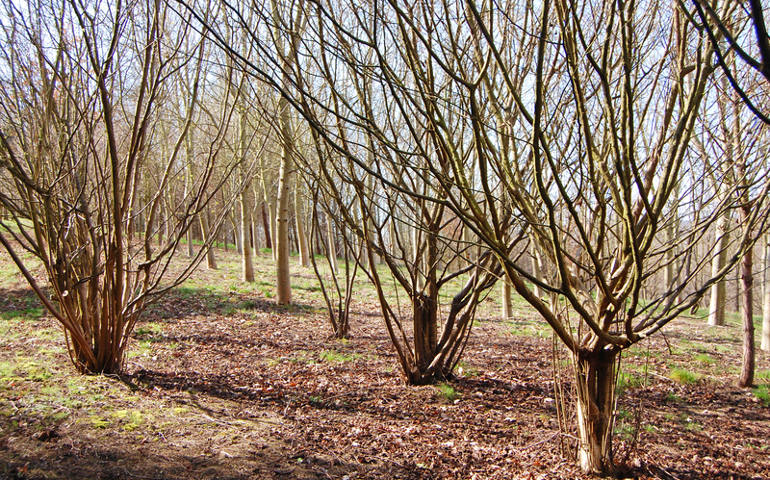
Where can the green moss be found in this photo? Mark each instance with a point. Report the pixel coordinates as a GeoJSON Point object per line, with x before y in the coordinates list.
{"type": "Point", "coordinates": [98, 422]}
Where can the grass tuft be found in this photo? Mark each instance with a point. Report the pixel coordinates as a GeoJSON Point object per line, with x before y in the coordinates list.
{"type": "Point", "coordinates": [626, 380]}
{"type": "Point", "coordinates": [331, 356]}
{"type": "Point", "coordinates": [447, 392]}
{"type": "Point", "coordinates": [762, 392]}
{"type": "Point", "coordinates": [704, 359]}
{"type": "Point", "coordinates": [685, 377]}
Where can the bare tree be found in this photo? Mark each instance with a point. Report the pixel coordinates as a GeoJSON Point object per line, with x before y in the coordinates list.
{"type": "Point", "coordinates": [765, 343]}
{"type": "Point", "coordinates": [538, 121]}
{"type": "Point", "coordinates": [82, 91]}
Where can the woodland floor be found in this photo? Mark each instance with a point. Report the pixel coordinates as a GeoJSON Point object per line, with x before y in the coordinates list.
{"type": "Point", "coordinates": [223, 384]}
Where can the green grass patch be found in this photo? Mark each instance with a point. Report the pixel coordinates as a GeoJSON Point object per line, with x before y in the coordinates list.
{"type": "Point", "coordinates": [51, 391]}
{"type": "Point", "coordinates": [31, 313]}
{"type": "Point", "coordinates": [149, 331]}
{"type": "Point", "coordinates": [447, 392]}
{"type": "Point", "coordinates": [6, 370]}
{"type": "Point", "coordinates": [650, 428]}
{"type": "Point", "coordinates": [762, 392]}
{"type": "Point", "coordinates": [143, 348]}
{"type": "Point", "coordinates": [625, 431]}
{"type": "Point", "coordinates": [692, 426]}
{"type": "Point", "coordinates": [627, 380]}
{"type": "Point", "coordinates": [683, 376]}
{"type": "Point", "coordinates": [302, 357]}
{"type": "Point", "coordinates": [331, 356]}
{"type": "Point", "coordinates": [526, 329]}
{"type": "Point", "coordinates": [704, 359]}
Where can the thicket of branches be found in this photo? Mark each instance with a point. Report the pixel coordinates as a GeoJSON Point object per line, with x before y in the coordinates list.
{"type": "Point", "coordinates": [573, 125]}
{"type": "Point", "coordinates": [437, 145]}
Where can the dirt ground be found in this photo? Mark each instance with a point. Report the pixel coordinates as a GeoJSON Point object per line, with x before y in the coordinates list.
{"type": "Point", "coordinates": [223, 384]}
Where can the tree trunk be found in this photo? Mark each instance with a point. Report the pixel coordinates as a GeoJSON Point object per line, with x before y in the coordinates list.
{"type": "Point", "coordinates": [717, 299]}
{"type": "Point", "coordinates": [332, 244]}
{"type": "Point", "coordinates": [595, 383]}
{"type": "Point", "coordinates": [299, 215]}
{"type": "Point", "coordinates": [246, 262]}
{"type": "Point", "coordinates": [253, 234]}
{"type": "Point", "coordinates": [425, 336]}
{"type": "Point", "coordinates": [160, 227]}
{"type": "Point", "coordinates": [668, 269]}
{"type": "Point", "coordinates": [266, 227]}
{"type": "Point", "coordinates": [537, 269]}
{"type": "Point", "coordinates": [283, 284]}
{"type": "Point", "coordinates": [765, 345]}
{"type": "Point", "coordinates": [506, 293]}
{"type": "Point", "coordinates": [247, 269]}
{"type": "Point", "coordinates": [747, 282]}
{"type": "Point", "coordinates": [273, 230]}
{"type": "Point", "coordinates": [237, 234]}
{"type": "Point", "coordinates": [189, 239]}
{"type": "Point", "coordinates": [293, 242]}
{"type": "Point", "coordinates": [211, 261]}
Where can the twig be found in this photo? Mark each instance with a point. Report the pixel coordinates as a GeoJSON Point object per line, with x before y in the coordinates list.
{"type": "Point", "coordinates": [539, 442]}
{"type": "Point", "coordinates": [384, 459]}
{"type": "Point", "coordinates": [666, 475]}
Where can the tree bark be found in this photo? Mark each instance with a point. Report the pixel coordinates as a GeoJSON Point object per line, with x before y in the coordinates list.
{"type": "Point", "coordinates": [506, 293]}
{"type": "Point", "coordinates": [189, 239]}
{"type": "Point", "coordinates": [747, 282]}
{"type": "Point", "coordinates": [253, 235]}
{"type": "Point", "coordinates": [668, 269]}
{"type": "Point", "coordinates": [537, 269]}
{"type": "Point", "coordinates": [273, 229]}
{"type": "Point", "coordinates": [237, 233]}
{"type": "Point", "coordinates": [717, 297]}
{"type": "Point", "coordinates": [332, 244]}
{"type": "Point", "coordinates": [266, 227]}
{"type": "Point", "coordinates": [299, 216]}
{"type": "Point", "coordinates": [595, 385]}
{"type": "Point", "coordinates": [765, 345]}
{"type": "Point", "coordinates": [211, 261]}
{"type": "Point", "coordinates": [246, 262]}
{"type": "Point", "coordinates": [283, 284]}
{"type": "Point", "coordinates": [425, 333]}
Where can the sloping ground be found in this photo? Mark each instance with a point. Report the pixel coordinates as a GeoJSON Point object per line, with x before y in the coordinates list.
{"type": "Point", "coordinates": [223, 384]}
